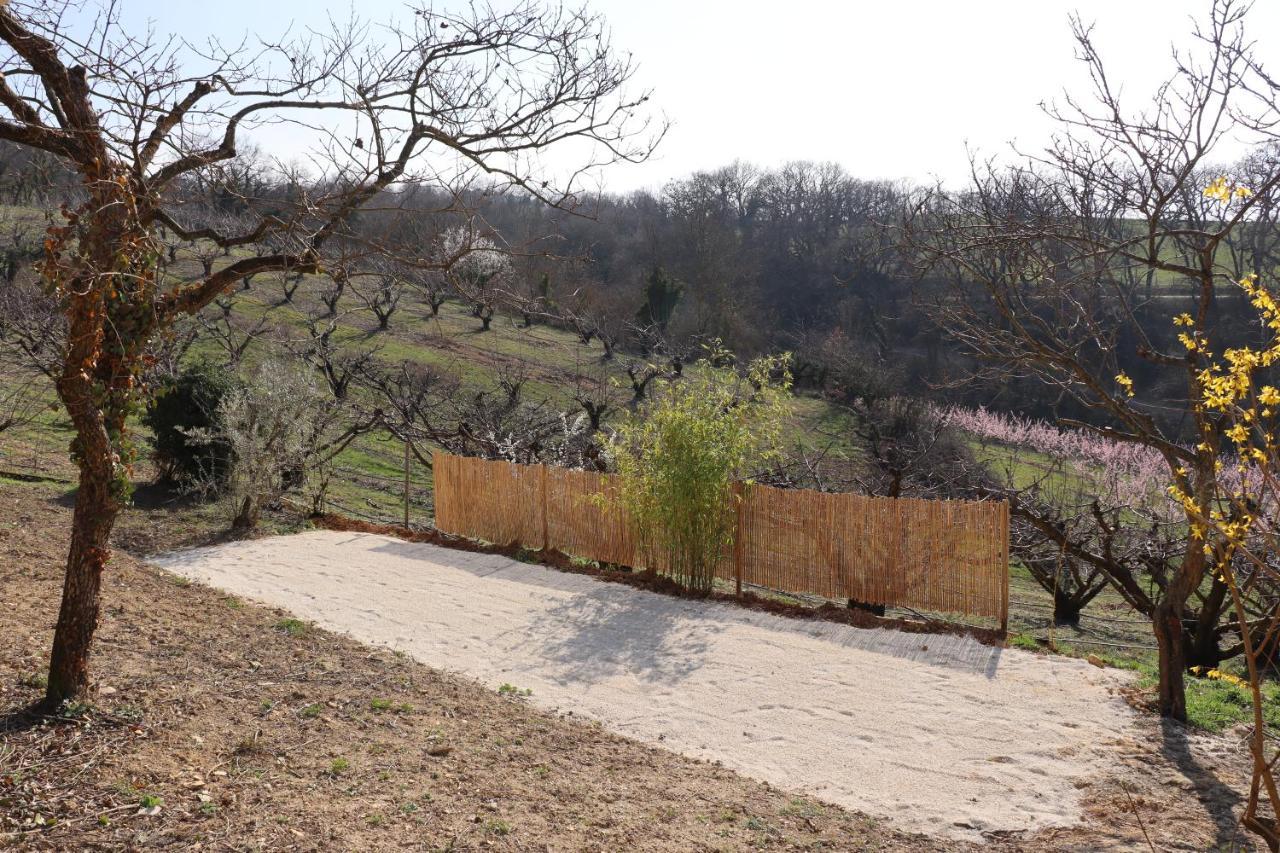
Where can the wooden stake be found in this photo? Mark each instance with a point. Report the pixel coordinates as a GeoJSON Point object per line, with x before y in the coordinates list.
{"type": "Point", "coordinates": [406, 484]}
{"type": "Point", "coordinates": [1004, 568]}
{"type": "Point", "coordinates": [546, 540]}
{"type": "Point", "coordinates": [739, 538]}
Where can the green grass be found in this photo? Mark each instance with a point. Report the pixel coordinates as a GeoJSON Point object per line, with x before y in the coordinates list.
{"type": "Point", "coordinates": [1212, 704]}
{"type": "Point", "coordinates": [292, 627]}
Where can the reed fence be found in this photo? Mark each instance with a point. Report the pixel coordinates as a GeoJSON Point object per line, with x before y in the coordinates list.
{"type": "Point", "coordinates": [937, 555]}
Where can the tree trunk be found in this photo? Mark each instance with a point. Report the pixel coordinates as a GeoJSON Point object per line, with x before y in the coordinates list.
{"type": "Point", "coordinates": [1203, 648]}
{"type": "Point", "coordinates": [95, 513]}
{"type": "Point", "coordinates": [1167, 624]}
{"type": "Point", "coordinates": [1066, 609]}
{"type": "Point", "coordinates": [247, 517]}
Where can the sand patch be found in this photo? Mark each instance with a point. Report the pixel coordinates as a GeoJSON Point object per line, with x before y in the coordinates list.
{"type": "Point", "coordinates": [938, 734]}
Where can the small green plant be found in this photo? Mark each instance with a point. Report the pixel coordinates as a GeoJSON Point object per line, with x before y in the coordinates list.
{"type": "Point", "coordinates": [150, 801]}
{"type": "Point", "coordinates": [678, 458]}
{"type": "Point", "coordinates": [497, 826]}
{"type": "Point", "coordinates": [380, 704]}
{"type": "Point", "coordinates": [76, 710]}
{"type": "Point", "coordinates": [375, 819]}
{"type": "Point", "coordinates": [311, 711]}
{"type": "Point", "coordinates": [208, 808]}
{"type": "Point", "coordinates": [339, 766]}
{"type": "Point", "coordinates": [233, 602]}
{"type": "Point", "coordinates": [292, 627]}
{"type": "Point", "coordinates": [35, 680]}
{"type": "Point", "coordinates": [1024, 641]}
{"type": "Point", "coordinates": [511, 690]}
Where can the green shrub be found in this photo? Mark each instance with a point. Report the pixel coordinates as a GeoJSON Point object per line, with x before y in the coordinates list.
{"type": "Point", "coordinates": [189, 403]}
{"type": "Point", "coordinates": [280, 428]}
{"type": "Point", "coordinates": [677, 460]}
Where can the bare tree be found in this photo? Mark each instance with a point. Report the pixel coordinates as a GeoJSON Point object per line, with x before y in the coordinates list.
{"type": "Point", "coordinates": [289, 283]}
{"type": "Point", "coordinates": [380, 290]}
{"type": "Point", "coordinates": [432, 287]}
{"type": "Point", "coordinates": [596, 393]}
{"type": "Point", "coordinates": [1042, 259]}
{"type": "Point", "coordinates": [333, 294]}
{"type": "Point", "coordinates": [22, 394]}
{"type": "Point", "coordinates": [910, 450]}
{"type": "Point", "coordinates": [641, 374]}
{"type": "Point", "coordinates": [21, 246]}
{"type": "Point", "coordinates": [231, 330]}
{"type": "Point", "coordinates": [138, 121]}
{"type": "Point", "coordinates": [33, 328]}
{"type": "Point", "coordinates": [339, 367]}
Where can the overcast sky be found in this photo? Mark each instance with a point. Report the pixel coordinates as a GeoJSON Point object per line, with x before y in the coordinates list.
{"type": "Point", "coordinates": [892, 89]}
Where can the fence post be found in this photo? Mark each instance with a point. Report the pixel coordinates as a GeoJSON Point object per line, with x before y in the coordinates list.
{"type": "Point", "coordinates": [738, 537]}
{"type": "Point", "coordinates": [1004, 569]}
{"type": "Point", "coordinates": [897, 582]}
{"type": "Point", "coordinates": [546, 540]}
{"type": "Point", "coordinates": [406, 484]}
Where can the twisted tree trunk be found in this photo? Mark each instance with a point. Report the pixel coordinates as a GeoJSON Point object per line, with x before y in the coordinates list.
{"type": "Point", "coordinates": [102, 266]}
{"type": "Point", "coordinates": [95, 514]}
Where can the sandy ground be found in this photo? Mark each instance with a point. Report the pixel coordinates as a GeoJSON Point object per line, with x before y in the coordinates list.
{"type": "Point", "coordinates": [937, 734]}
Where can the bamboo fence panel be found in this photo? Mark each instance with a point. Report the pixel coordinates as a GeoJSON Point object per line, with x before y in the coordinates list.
{"type": "Point", "coordinates": [498, 502]}
{"type": "Point", "coordinates": [945, 556]}
{"type": "Point", "coordinates": [584, 519]}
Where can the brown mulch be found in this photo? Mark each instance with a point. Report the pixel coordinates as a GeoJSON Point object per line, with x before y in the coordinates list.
{"type": "Point", "coordinates": [221, 725]}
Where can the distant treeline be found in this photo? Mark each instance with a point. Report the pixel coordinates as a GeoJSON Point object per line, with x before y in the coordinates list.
{"type": "Point", "coordinates": [803, 257]}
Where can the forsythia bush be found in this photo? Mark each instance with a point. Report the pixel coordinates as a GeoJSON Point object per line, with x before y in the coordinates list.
{"type": "Point", "coordinates": [678, 457]}
{"type": "Point", "coordinates": [1241, 512]}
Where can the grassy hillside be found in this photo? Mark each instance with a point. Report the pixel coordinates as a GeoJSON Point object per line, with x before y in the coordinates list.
{"type": "Point", "coordinates": [370, 474]}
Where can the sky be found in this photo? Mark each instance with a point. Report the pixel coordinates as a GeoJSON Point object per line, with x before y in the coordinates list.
{"type": "Point", "coordinates": [889, 89]}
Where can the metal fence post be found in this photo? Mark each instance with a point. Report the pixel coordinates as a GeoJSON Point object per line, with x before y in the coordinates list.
{"type": "Point", "coordinates": [406, 484]}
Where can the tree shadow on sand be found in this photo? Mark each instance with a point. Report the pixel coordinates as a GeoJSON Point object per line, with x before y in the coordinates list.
{"type": "Point", "coordinates": [604, 628]}
{"type": "Point", "coordinates": [1219, 799]}
{"type": "Point", "coordinates": [613, 630]}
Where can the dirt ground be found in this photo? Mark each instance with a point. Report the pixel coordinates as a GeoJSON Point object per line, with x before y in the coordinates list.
{"type": "Point", "coordinates": [222, 725]}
